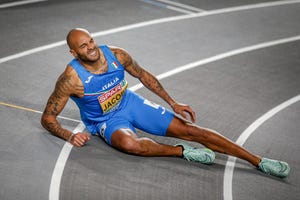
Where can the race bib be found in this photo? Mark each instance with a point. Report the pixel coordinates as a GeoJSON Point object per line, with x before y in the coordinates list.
{"type": "Point", "coordinates": [112, 98]}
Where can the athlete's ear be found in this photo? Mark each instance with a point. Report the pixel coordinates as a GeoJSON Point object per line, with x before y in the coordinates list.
{"type": "Point", "coordinates": [73, 53]}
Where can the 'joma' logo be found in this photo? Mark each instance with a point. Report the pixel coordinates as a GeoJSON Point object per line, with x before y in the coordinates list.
{"type": "Point", "coordinates": [89, 79]}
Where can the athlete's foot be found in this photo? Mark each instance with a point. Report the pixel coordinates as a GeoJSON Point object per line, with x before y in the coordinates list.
{"type": "Point", "coordinates": [274, 167]}
{"type": "Point", "coordinates": [203, 155]}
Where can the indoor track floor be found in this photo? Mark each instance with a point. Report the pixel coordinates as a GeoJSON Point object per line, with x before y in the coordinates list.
{"type": "Point", "coordinates": [237, 63]}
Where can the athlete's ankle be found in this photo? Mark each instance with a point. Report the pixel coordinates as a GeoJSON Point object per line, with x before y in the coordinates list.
{"type": "Point", "coordinates": [180, 150]}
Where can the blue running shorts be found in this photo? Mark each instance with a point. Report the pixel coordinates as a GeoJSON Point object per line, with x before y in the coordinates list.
{"type": "Point", "coordinates": [136, 112]}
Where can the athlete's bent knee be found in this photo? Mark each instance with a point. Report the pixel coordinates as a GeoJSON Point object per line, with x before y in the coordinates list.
{"type": "Point", "coordinates": [130, 145]}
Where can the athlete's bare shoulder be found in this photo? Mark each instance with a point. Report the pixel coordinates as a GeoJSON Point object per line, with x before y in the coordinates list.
{"type": "Point", "coordinates": [122, 55]}
{"type": "Point", "coordinates": [69, 83]}
{"type": "Point", "coordinates": [130, 65]}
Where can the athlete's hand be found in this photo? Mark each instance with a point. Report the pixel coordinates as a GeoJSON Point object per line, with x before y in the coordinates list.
{"type": "Point", "coordinates": [79, 139]}
{"type": "Point", "coordinates": [183, 110]}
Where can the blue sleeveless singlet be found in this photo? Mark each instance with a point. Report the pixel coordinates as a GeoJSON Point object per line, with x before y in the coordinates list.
{"type": "Point", "coordinates": [108, 106]}
{"type": "Point", "coordinates": [102, 92]}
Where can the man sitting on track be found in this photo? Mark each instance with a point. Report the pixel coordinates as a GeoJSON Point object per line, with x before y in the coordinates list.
{"type": "Point", "coordinates": [94, 79]}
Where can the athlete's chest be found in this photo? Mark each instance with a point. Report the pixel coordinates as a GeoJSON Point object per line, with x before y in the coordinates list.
{"type": "Point", "coordinates": [105, 90]}
{"type": "Point", "coordinates": [101, 82]}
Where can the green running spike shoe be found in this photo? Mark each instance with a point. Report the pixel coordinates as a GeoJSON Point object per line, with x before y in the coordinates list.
{"type": "Point", "coordinates": [203, 155]}
{"type": "Point", "coordinates": [274, 167]}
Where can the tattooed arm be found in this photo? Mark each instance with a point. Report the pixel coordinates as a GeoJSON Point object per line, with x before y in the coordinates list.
{"type": "Point", "coordinates": [66, 86]}
{"type": "Point", "coordinates": [150, 82]}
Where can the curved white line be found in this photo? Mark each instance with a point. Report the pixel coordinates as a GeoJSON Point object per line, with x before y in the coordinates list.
{"type": "Point", "coordinates": [60, 166]}
{"type": "Point", "coordinates": [148, 23]}
{"type": "Point", "coordinates": [179, 9]}
{"type": "Point", "coordinates": [228, 174]}
{"type": "Point", "coordinates": [19, 3]}
{"type": "Point", "coordinates": [221, 56]}
{"type": "Point", "coordinates": [64, 154]}
{"type": "Point", "coordinates": [184, 6]}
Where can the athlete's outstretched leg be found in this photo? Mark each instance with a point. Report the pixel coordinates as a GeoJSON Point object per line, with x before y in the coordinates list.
{"type": "Point", "coordinates": [211, 139]}
{"type": "Point", "coordinates": [126, 141]}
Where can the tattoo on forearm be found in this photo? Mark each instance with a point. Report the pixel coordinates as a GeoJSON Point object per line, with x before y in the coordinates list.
{"type": "Point", "coordinates": [54, 106]}
{"type": "Point", "coordinates": [57, 130]}
{"type": "Point", "coordinates": [154, 85]}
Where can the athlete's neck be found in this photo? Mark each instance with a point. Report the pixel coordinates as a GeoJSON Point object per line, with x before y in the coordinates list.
{"type": "Point", "coordinates": [96, 67]}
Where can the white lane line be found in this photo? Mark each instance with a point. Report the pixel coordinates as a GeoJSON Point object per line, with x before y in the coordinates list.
{"type": "Point", "coordinates": [161, 5]}
{"type": "Point", "coordinates": [148, 23]}
{"type": "Point", "coordinates": [180, 5]}
{"type": "Point", "coordinates": [60, 165]}
{"type": "Point", "coordinates": [221, 56]}
{"type": "Point", "coordinates": [252, 6]}
{"type": "Point", "coordinates": [19, 3]}
{"type": "Point", "coordinates": [32, 51]}
{"type": "Point", "coordinates": [179, 10]}
{"type": "Point", "coordinates": [64, 154]}
{"type": "Point", "coordinates": [228, 174]}
{"type": "Point", "coordinates": [168, 6]}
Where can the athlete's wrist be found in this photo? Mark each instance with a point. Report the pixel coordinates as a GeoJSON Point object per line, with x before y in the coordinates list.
{"type": "Point", "coordinates": [71, 137]}
{"type": "Point", "coordinates": [173, 104]}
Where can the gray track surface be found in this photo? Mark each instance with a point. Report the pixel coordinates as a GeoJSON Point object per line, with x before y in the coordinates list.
{"type": "Point", "coordinates": [227, 95]}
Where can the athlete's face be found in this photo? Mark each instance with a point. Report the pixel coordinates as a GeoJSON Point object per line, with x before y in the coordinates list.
{"type": "Point", "coordinates": [84, 47]}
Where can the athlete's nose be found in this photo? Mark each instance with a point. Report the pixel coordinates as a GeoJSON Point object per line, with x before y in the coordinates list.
{"type": "Point", "coordinates": [90, 46]}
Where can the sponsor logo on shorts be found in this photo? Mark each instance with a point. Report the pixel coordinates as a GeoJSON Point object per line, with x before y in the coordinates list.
{"type": "Point", "coordinates": [102, 130]}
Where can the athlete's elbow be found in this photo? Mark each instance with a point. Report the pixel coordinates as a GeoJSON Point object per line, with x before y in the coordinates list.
{"type": "Point", "coordinates": [45, 121]}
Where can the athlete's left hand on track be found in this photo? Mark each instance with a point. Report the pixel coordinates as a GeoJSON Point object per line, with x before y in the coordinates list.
{"type": "Point", "coordinates": [79, 139]}
{"type": "Point", "coordinates": [182, 109]}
